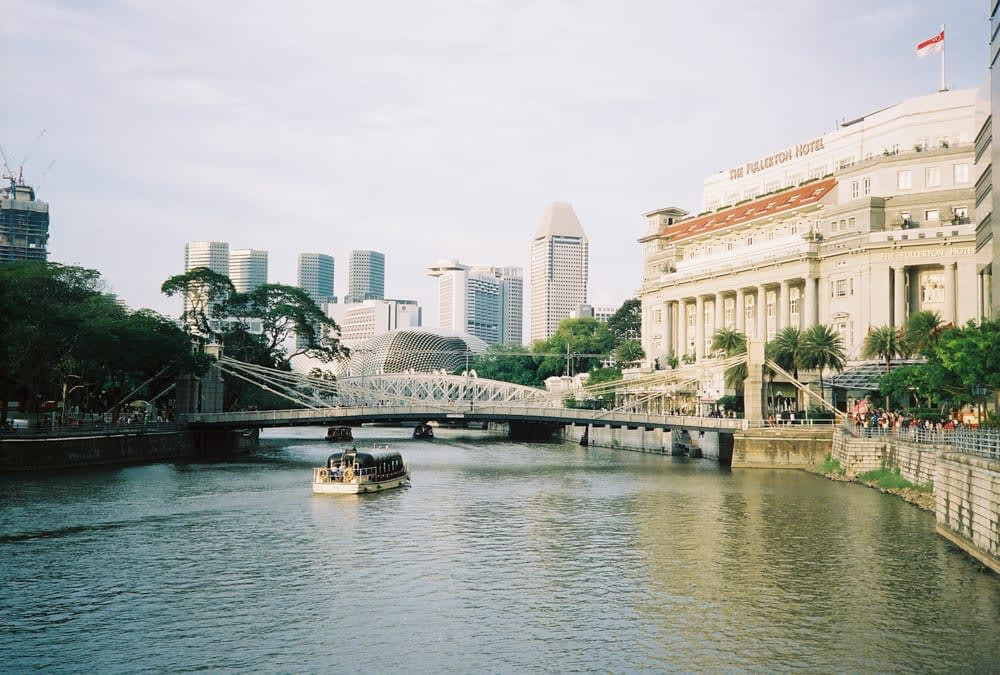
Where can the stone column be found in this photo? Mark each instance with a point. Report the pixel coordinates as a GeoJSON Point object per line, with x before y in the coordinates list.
{"type": "Point", "coordinates": [949, 293]}
{"type": "Point", "coordinates": [783, 305]}
{"type": "Point", "coordinates": [761, 330]}
{"type": "Point", "coordinates": [699, 327]}
{"type": "Point", "coordinates": [668, 330]}
{"type": "Point", "coordinates": [898, 296]}
{"type": "Point", "coordinates": [682, 328]}
{"type": "Point", "coordinates": [740, 311]}
{"type": "Point", "coordinates": [720, 311]}
{"type": "Point", "coordinates": [810, 313]}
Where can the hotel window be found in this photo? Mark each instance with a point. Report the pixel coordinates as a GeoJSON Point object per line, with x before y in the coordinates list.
{"type": "Point", "coordinates": [842, 288]}
{"type": "Point", "coordinates": [748, 314]}
{"type": "Point", "coordinates": [961, 173]}
{"type": "Point", "coordinates": [932, 214]}
{"type": "Point", "coordinates": [658, 316]}
{"type": "Point", "coordinates": [793, 306]}
{"type": "Point", "coordinates": [851, 224]}
{"type": "Point", "coordinates": [904, 179]}
{"type": "Point", "coordinates": [961, 213]}
{"type": "Point", "coordinates": [749, 240]}
{"type": "Point", "coordinates": [794, 229]}
{"type": "Point", "coordinates": [709, 250]}
{"type": "Point", "coordinates": [846, 329]}
{"type": "Point", "coordinates": [770, 235]}
{"type": "Point", "coordinates": [729, 310]}
{"type": "Point", "coordinates": [729, 246]}
{"type": "Point", "coordinates": [866, 186]}
{"type": "Point", "coordinates": [855, 189]}
{"type": "Point", "coordinates": [933, 176]}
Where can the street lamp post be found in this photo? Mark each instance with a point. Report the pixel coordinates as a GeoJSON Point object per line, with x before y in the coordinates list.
{"type": "Point", "coordinates": [979, 392]}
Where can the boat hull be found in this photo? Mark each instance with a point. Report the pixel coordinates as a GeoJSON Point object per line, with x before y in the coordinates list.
{"type": "Point", "coordinates": [355, 486]}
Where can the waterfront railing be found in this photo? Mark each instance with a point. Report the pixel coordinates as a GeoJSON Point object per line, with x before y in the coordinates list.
{"type": "Point", "coordinates": [88, 429]}
{"type": "Point", "coordinates": [968, 440]}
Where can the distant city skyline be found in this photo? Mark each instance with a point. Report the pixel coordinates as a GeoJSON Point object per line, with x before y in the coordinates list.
{"type": "Point", "coordinates": [584, 103]}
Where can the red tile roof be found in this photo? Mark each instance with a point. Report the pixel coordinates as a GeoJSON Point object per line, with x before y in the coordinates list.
{"type": "Point", "coordinates": [767, 205]}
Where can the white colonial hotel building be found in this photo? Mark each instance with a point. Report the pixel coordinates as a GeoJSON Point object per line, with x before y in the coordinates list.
{"type": "Point", "coordinates": [857, 228]}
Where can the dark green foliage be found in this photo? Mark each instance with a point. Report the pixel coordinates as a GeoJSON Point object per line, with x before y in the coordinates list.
{"type": "Point", "coordinates": [626, 323]}
{"type": "Point", "coordinates": [60, 329]}
{"type": "Point", "coordinates": [508, 363]}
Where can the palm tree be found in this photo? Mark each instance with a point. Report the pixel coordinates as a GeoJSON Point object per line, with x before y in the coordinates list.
{"type": "Point", "coordinates": [920, 331]}
{"type": "Point", "coordinates": [786, 351]}
{"type": "Point", "coordinates": [732, 342]}
{"type": "Point", "coordinates": [822, 348]}
{"type": "Point", "coordinates": [883, 342]}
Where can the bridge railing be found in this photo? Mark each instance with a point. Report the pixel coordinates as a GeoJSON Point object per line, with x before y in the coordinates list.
{"type": "Point", "coordinates": [477, 411]}
{"type": "Point", "coordinates": [89, 429]}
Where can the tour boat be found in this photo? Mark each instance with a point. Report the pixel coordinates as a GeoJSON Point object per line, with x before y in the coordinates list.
{"type": "Point", "coordinates": [353, 472]}
{"type": "Point", "coordinates": [423, 431]}
{"type": "Point", "coordinates": [339, 434]}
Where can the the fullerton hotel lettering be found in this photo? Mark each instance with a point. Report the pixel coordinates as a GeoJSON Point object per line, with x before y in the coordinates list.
{"type": "Point", "coordinates": [800, 150]}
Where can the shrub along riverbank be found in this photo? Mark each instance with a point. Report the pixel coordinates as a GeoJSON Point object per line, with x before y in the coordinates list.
{"type": "Point", "coordinates": [885, 480]}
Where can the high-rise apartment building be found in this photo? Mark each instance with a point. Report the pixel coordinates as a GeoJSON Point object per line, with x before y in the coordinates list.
{"type": "Point", "coordinates": [369, 318]}
{"type": "Point", "coordinates": [247, 269]}
{"type": "Point", "coordinates": [559, 270]}
{"type": "Point", "coordinates": [211, 254]}
{"type": "Point", "coordinates": [24, 224]}
{"type": "Point", "coordinates": [365, 276]}
{"type": "Point", "coordinates": [316, 272]}
{"type": "Point", "coordinates": [480, 300]}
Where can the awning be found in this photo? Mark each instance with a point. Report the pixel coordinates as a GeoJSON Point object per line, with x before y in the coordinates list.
{"type": "Point", "coordinates": [865, 377]}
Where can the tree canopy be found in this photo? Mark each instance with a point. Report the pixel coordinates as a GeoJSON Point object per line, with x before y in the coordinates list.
{"type": "Point", "coordinates": [62, 331]}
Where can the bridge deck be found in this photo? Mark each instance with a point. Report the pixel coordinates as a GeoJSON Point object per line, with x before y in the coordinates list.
{"type": "Point", "coordinates": [477, 413]}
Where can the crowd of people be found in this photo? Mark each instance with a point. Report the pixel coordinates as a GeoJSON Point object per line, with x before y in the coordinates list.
{"type": "Point", "coordinates": [867, 418]}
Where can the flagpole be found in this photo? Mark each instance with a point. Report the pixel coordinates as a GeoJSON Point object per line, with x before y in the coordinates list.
{"type": "Point", "coordinates": [943, 43]}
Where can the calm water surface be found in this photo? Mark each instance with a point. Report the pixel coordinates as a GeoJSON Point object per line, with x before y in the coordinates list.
{"type": "Point", "coordinates": [502, 557]}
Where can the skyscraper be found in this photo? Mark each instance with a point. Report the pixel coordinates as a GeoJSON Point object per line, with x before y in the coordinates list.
{"type": "Point", "coordinates": [24, 224]}
{"type": "Point", "coordinates": [559, 269]}
{"type": "Point", "coordinates": [480, 300]}
{"type": "Point", "coordinates": [247, 269]}
{"type": "Point", "coordinates": [211, 254]}
{"type": "Point", "coordinates": [316, 272]}
{"type": "Point", "coordinates": [366, 276]}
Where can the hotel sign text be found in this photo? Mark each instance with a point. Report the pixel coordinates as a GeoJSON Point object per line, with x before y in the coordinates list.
{"type": "Point", "coordinates": [800, 150]}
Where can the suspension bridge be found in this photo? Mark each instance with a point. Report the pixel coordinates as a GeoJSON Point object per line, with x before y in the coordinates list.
{"type": "Point", "coordinates": [461, 399]}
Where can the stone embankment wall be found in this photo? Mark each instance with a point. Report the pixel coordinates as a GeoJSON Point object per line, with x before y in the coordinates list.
{"type": "Point", "coordinates": [967, 492]}
{"type": "Point", "coordinates": [657, 441]}
{"type": "Point", "coordinates": [916, 462]}
{"type": "Point", "coordinates": [782, 447]}
{"type": "Point", "coordinates": [33, 454]}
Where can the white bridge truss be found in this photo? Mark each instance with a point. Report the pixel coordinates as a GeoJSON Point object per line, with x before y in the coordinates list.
{"type": "Point", "coordinates": [390, 389]}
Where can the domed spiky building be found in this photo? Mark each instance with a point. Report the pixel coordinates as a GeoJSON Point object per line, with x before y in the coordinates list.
{"type": "Point", "coordinates": [421, 351]}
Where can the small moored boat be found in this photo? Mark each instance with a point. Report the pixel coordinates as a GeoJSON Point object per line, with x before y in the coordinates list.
{"type": "Point", "coordinates": [354, 472]}
{"type": "Point", "coordinates": [339, 434]}
{"type": "Point", "coordinates": [423, 431]}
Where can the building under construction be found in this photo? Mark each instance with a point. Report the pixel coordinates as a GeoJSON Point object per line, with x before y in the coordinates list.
{"type": "Point", "coordinates": [24, 223]}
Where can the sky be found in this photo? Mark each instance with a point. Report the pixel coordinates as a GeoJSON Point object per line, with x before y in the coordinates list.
{"type": "Point", "coordinates": [427, 130]}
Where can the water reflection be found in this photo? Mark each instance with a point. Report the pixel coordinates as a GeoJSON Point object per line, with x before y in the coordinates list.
{"type": "Point", "coordinates": [502, 557]}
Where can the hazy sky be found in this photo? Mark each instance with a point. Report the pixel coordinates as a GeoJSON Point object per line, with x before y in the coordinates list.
{"type": "Point", "coordinates": [427, 129]}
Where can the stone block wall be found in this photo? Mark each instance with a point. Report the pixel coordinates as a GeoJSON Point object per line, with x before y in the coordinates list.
{"type": "Point", "coordinates": [967, 490]}
{"type": "Point", "coordinates": [916, 462]}
{"type": "Point", "coordinates": [782, 447]}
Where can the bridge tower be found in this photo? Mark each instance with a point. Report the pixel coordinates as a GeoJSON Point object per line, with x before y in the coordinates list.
{"type": "Point", "coordinates": [754, 395]}
{"type": "Point", "coordinates": [201, 394]}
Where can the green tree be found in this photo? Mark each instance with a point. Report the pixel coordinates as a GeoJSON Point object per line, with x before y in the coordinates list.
{"type": "Point", "coordinates": [600, 377]}
{"type": "Point", "coordinates": [206, 298]}
{"type": "Point", "coordinates": [508, 363]}
{"type": "Point", "coordinates": [883, 342]}
{"type": "Point", "coordinates": [585, 343]}
{"type": "Point", "coordinates": [60, 332]}
{"type": "Point", "coordinates": [919, 333]}
{"type": "Point", "coordinates": [822, 349]}
{"type": "Point", "coordinates": [732, 343]}
{"type": "Point", "coordinates": [629, 352]}
{"type": "Point", "coordinates": [626, 322]}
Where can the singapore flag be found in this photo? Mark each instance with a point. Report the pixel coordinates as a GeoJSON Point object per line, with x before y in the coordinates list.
{"type": "Point", "coordinates": [931, 45]}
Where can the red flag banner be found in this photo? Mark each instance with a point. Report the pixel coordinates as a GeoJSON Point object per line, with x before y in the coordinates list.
{"type": "Point", "coordinates": [931, 45]}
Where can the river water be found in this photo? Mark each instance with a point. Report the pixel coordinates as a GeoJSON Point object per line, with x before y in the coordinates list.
{"type": "Point", "coordinates": [501, 557]}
